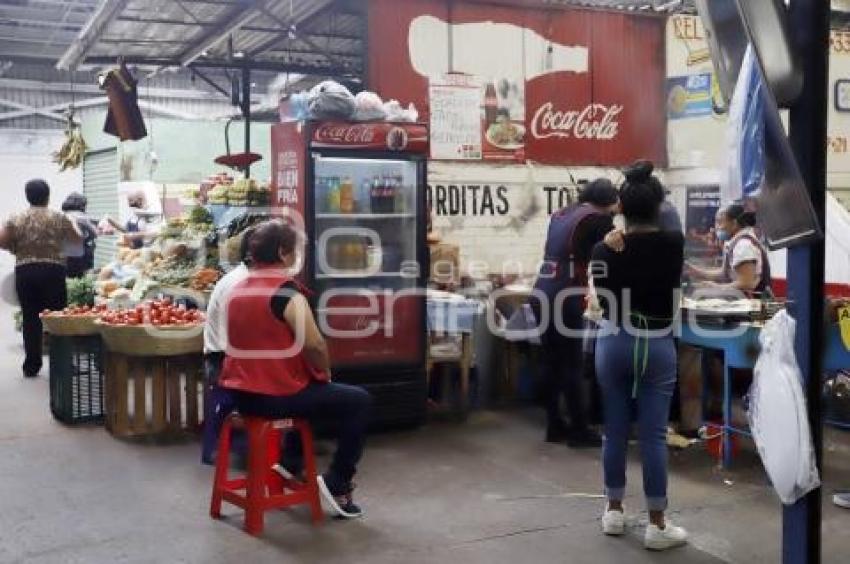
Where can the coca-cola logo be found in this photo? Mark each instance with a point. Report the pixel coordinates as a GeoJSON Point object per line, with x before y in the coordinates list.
{"type": "Point", "coordinates": [595, 121]}
{"type": "Point", "coordinates": [348, 134]}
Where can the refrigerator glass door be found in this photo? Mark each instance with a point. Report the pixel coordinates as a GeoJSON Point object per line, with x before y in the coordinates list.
{"type": "Point", "coordinates": [367, 271]}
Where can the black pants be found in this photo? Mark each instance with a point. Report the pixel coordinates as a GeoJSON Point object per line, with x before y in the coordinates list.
{"type": "Point", "coordinates": [40, 286]}
{"type": "Point", "coordinates": [345, 407]}
{"type": "Point", "coordinates": [563, 360]}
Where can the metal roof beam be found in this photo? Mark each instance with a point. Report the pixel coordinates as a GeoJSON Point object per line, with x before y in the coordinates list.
{"type": "Point", "coordinates": [48, 111]}
{"type": "Point", "coordinates": [155, 92]}
{"type": "Point", "coordinates": [223, 64]}
{"type": "Point", "coordinates": [239, 16]}
{"type": "Point", "coordinates": [321, 8]}
{"type": "Point", "coordinates": [89, 35]}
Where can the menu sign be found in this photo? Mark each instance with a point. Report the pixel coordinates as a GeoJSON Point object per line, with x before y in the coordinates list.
{"type": "Point", "coordinates": [455, 101]}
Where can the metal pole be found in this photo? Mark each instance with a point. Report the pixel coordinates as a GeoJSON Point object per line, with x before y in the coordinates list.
{"type": "Point", "coordinates": [246, 111]}
{"type": "Point", "coordinates": [809, 23]}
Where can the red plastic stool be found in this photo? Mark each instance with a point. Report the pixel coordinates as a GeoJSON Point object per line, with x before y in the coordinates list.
{"type": "Point", "coordinates": [264, 489]}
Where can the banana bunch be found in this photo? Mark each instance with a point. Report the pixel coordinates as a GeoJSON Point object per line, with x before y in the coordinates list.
{"type": "Point", "coordinates": [70, 155]}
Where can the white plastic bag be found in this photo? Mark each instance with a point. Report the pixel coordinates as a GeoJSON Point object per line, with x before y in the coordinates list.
{"type": "Point", "coordinates": [368, 107]}
{"type": "Point", "coordinates": [8, 290]}
{"type": "Point", "coordinates": [330, 100]}
{"type": "Point", "coordinates": [395, 112]}
{"type": "Point", "coordinates": [778, 415]}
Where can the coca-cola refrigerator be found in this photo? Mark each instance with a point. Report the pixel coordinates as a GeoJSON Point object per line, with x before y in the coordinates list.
{"type": "Point", "coordinates": [358, 191]}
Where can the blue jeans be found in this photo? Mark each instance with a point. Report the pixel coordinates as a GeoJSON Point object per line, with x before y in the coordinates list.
{"type": "Point", "coordinates": [615, 362]}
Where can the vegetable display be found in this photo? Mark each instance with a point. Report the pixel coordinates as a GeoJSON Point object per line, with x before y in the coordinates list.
{"type": "Point", "coordinates": [76, 311]}
{"type": "Point", "coordinates": [81, 291]}
{"type": "Point", "coordinates": [155, 313]}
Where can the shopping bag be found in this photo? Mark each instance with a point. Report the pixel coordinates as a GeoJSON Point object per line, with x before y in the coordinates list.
{"type": "Point", "coordinates": [778, 414]}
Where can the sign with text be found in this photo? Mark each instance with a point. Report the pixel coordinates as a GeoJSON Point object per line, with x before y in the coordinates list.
{"type": "Point", "coordinates": [561, 87]}
{"type": "Point", "coordinates": [455, 101]}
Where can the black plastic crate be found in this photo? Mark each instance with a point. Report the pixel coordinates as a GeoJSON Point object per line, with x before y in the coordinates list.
{"type": "Point", "coordinates": [76, 379]}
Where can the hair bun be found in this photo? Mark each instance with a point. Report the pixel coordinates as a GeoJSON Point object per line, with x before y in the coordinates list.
{"type": "Point", "coordinates": [639, 171]}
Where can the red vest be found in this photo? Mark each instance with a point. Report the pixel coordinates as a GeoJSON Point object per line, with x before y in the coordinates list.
{"type": "Point", "coordinates": [261, 355]}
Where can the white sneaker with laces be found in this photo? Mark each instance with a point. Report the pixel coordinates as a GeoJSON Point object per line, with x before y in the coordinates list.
{"type": "Point", "coordinates": [670, 536]}
{"type": "Point", "coordinates": [613, 522]}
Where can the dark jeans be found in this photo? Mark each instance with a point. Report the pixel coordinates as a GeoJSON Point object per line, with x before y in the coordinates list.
{"type": "Point", "coordinates": [345, 407]}
{"type": "Point", "coordinates": [40, 286]}
{"type": "Point", "coordinates": [218, 404]}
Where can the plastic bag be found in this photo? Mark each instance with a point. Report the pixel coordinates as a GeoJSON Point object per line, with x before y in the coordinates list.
{"type": "Point", "coordinates": [330, 100]}
{"type": "Point", "coordinates": [745, 134]}
{"type": "Point", "coordinates": [369, 107]}
{"type": "Point", "coordinates": [395, 112]}
{"type": "Point", "coordinates": [299, 106]}
{"type": "Point", "coordinates": [778, 415]}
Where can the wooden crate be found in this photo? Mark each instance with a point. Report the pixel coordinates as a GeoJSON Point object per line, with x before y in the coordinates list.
{"type": "Point", "coordinates": [154, 396]}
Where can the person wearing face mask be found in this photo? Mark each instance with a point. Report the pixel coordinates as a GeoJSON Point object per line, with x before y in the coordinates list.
{"type": "Point", "coordinates": [573, 232]}
{"type": "Point", "coordinates": [745, 265]}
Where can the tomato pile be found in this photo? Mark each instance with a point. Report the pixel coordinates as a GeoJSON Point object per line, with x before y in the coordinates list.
{"type": "Point", "coordinates": [76, 311]}
{"type": "Point", "coordinates": [158, 313]}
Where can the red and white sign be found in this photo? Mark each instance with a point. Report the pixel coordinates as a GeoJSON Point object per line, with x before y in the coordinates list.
{"type": "Point", "coordinates": [573, 86]}
{"type": "Point", "coordinates": [371, 136]}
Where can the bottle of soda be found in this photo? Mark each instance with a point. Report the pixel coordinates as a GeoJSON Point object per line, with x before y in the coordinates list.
{"type": "Point", "coordinates": [385, 193]}
{"type": "Point", "coordinates": [322, 190]}
{"type": "Point", "coordinates": [346, 195]}
{"type": "Point", "coordinates": [333, 194]}
{"type": "Point", "coordinates": [491, 104]}
{"type": "Point", "coordinates": [364, 197]}
{"type": "Point", "coordinates": [375, 194]}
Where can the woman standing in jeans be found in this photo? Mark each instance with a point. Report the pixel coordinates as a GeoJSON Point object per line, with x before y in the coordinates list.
{"type": "Point", "coordinates": [635, 353]}
{"type": "Point", "coordinates": [36, 237]}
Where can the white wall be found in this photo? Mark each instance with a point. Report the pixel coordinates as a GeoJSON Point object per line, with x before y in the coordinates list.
{"type": "Point", "coordinates": [25, 155]}
{"type": "Point", "coordinates": [508, 236]}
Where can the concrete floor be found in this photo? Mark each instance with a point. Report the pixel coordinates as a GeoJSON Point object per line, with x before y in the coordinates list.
{"type": "Point", "coordinates": [486, 491]}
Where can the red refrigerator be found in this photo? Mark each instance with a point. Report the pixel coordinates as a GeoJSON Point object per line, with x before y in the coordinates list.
{"type": "Point", "coordinates": [358, 192]}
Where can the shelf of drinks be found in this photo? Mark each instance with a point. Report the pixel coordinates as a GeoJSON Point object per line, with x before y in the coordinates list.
{"type": "Point", "coordinates": [365, 215]}
{"type": "Point", "coordinates": [357, 275]}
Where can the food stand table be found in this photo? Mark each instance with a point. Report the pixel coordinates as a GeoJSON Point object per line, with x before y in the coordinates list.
{"type": "Point", "coordinates": [739, 343]}
{"type": "Point", "coordinates": [451, 314]}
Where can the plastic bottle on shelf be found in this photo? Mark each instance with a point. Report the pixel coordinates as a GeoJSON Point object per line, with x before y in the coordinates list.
{"type": "Point", "coordinates": [376, 194]}
{"type": "Point", "coordinates": [322, 190]}
{"type": "Point", "coordinates": [333, 194]}
{"type": "Point", "coordinates": [364, 198]}
{"type": "Point", "coordinates": [346, 195]}
{"type": "Point", "coordinates": [386, 193]}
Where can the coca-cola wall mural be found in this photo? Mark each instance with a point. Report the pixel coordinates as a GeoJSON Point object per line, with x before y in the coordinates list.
{"type": "Point", "coordinates": [557, 86]}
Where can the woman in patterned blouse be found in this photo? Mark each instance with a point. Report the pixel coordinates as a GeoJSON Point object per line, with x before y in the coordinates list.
{"type": "Point", "coordinates": [36, 237]}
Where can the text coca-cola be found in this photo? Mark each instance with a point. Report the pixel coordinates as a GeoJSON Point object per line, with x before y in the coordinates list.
{"type": "Point", "coordinates": [345, 134]}
{"type": "Point", "coordinates": [594, 121]}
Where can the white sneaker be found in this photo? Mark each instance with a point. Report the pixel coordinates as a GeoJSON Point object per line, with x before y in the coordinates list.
{"type": "Point", "coordinates": [842, 500]}
{"type": "Point", "coordinates": [613, 522]}
{"type": "Point", "coordinates": [670, 536]}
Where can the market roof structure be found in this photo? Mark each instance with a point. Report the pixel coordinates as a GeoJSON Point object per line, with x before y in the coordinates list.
{"type": "Point", "coordinates": [323, 37]}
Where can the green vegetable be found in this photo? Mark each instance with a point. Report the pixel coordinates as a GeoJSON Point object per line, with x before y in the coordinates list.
{"type": "Point", "coordinates": [200, 215]}
{"type": "Point", "coordinates": [81, 291]}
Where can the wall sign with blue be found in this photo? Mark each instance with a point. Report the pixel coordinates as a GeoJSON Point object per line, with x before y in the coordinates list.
{"type": "Point", "coordinates": [689, 96]}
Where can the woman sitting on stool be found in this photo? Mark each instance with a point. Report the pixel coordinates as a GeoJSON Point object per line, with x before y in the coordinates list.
{"type": "Point", "coordinates": [277, 362]}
